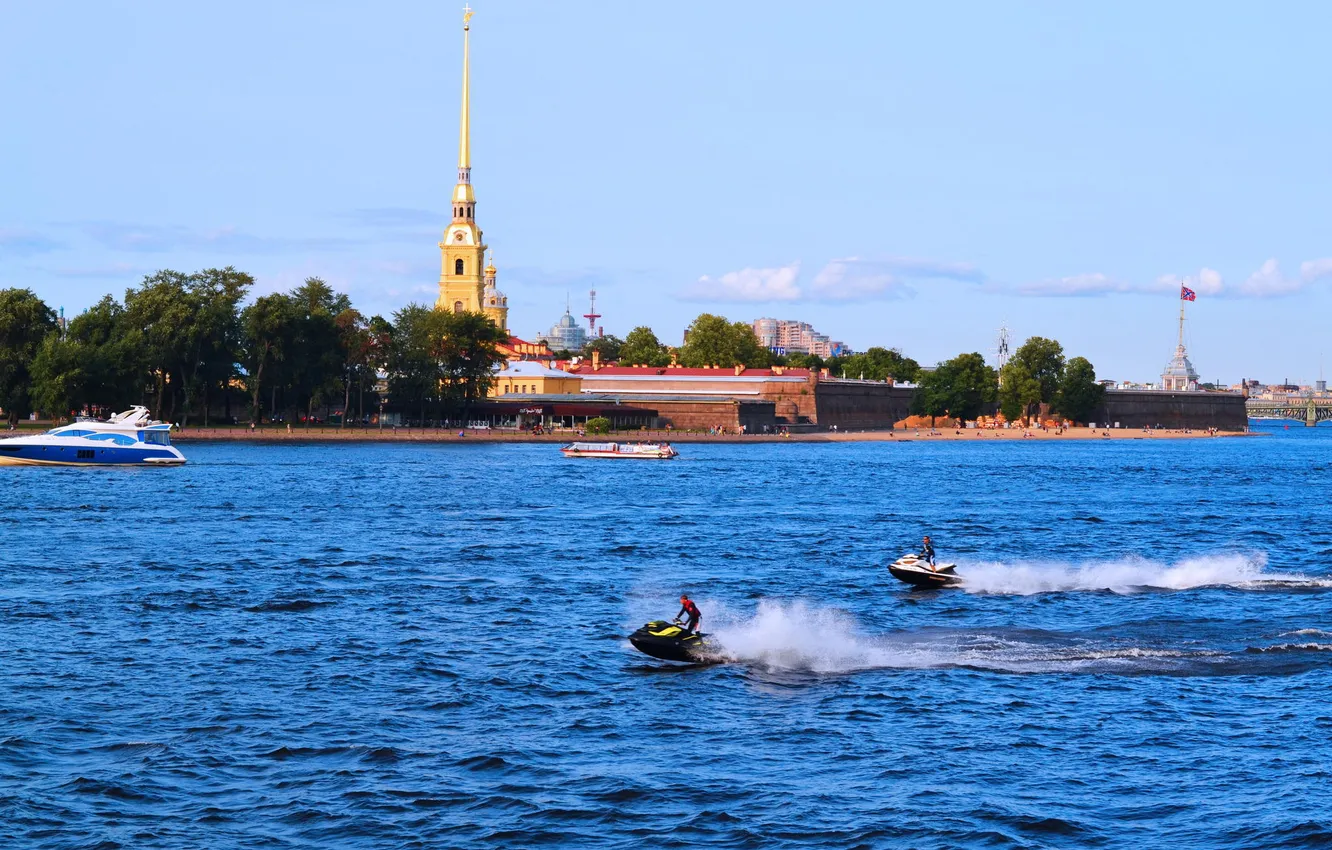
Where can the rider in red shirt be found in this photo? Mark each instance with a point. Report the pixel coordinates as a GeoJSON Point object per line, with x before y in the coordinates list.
{"type": "Point", "coordinates": [687, 606]}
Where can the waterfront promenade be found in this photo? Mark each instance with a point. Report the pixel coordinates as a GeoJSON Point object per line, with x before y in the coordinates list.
{"type": "Point", "coordinates": [442, 435]}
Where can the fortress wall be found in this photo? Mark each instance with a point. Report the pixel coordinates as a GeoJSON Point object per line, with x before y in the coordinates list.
{"type": "Point", "coordinates": [860, 405]}
{"type": "Point", "coordinates": [1149, 408]}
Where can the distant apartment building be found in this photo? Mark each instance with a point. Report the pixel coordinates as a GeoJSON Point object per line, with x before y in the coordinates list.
{"type": "Point", "coordinates": [786, 336]}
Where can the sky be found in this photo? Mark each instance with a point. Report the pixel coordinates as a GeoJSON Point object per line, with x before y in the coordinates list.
{"type": "Point", "coordinates": [901, 174]}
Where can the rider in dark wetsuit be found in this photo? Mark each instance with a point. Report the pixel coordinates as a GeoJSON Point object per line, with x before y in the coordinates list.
{"type": "Point", "coordinates": [927, 551]}
{"type": "Point", "coordinates": [687, 606]}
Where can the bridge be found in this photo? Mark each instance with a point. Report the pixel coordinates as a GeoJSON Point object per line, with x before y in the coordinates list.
{"type": "Point", "coordinates": [1310, 411]}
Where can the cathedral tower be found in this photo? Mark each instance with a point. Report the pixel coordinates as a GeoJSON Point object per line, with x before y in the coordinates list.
{"type": "Point", "coordinates": [464, 285]}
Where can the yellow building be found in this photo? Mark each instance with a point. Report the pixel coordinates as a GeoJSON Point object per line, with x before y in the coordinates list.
{"type": "Point", "coordinates": [526, 377]}
{"type": "Point", "coordinates": [464, 284]}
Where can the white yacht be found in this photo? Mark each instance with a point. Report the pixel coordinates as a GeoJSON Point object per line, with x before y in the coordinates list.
{"type": "Point", "coordinates": [131, 438]}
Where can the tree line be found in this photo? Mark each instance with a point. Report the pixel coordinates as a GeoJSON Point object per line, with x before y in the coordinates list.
{"type": "Point", "coordinates": [964, 387]}
{"type": "Point", "coordinates": [183, 345]}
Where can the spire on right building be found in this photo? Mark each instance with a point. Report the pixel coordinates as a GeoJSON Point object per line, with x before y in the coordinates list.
{"type": "Point", "coordinates": [1179, 373]}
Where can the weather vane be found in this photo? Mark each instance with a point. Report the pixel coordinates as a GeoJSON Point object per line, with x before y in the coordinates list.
{"type": "Point", "coordinates": [467, 15]}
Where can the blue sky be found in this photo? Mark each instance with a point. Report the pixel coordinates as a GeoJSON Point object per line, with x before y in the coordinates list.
{"type": "Point", "coordinates": [909, 175]}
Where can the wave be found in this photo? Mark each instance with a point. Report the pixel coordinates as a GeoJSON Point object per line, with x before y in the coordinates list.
{"type": "Point", "coordinates": [799, 637]}
{"type": "Point", "coordinates": [1132, 574]}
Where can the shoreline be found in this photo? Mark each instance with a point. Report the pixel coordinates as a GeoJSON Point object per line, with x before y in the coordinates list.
{"type": "Point", "coordinates": [903, 435]}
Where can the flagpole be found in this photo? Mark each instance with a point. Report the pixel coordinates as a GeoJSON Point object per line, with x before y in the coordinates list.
{"type": "Point", "coordinates": [1181, 322]}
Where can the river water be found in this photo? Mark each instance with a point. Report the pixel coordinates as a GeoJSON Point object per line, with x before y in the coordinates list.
{"type": "Point", "coordinates": [383, 646]}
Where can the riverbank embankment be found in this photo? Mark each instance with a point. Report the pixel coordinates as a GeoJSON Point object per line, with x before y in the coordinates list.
{"type": "Point", "coordinates": [441, 435]}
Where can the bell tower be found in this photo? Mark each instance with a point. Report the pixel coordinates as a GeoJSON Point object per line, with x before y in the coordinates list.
{"type": "Point", "coordinates": [464, 283]}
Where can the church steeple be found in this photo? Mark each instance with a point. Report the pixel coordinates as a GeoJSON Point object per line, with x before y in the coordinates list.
{"type": "Point", "coordinates": [463, 199]}
{"type": "Point", "coordinates": [464, 286]}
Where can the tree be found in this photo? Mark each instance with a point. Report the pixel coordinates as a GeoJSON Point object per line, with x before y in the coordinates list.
{"type": "Point", "coordinates": [214, 345]}
{"type": "Point", "coordinates": [470, 357]}
{"type": "Point", "coordinates": [59, 382]}
{"type": "Point", "coordinates": [160, 314]}
{"type": "Point", "coordinates": [415, 374]}
{"type": "Point", "coordinates": [25, 321]}
{"type": "Point", "coordinates": [641, 346]}
{"type": "Point", "coordinates": [1031, 377]}
{"type": "Point", "coordinates": [446, 359]}
{"type": "Point", "coordinates": [959, 388]}
{"type": "Point", "coordinates": [267, 327]}
{"type": "Point", "coordinates": [313, 365]}
{"type": "Point", "coordinates": [357, 345]}
{"type": "Point", "coordinates": [800, 360]}
{"type": "Point", "coordinates": [1079, 394]}
{"type": "Point", "coordinates": [878, 364]}
{"type": "Point", "coordinates": [609, 347]}
{"type": "Point", "coordinates": [97, 363]}
{"type": "Point", "coordinates": [712, 341]}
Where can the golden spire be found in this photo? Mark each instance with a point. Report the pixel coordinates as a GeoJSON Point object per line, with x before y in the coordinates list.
{"type": "Point", "coordinates": [464, 146]}
{"type": "Point", "coordinates": [462, 193]}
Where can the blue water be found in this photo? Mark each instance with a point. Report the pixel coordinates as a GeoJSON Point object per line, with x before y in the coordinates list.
{"type": "Point", "coordinates": [383, 646]}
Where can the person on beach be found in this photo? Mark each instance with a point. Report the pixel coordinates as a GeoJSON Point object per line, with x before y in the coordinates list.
{"type": "Point", "coordinates": [927, 551]}
{"type": "Point", "coordinates": [687, 606]}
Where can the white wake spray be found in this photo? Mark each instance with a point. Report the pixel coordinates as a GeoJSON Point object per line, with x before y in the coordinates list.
{"type": "Point", "coordinates": [1128, 575]}
{"type": "Point", "coordinates": [797, 636]}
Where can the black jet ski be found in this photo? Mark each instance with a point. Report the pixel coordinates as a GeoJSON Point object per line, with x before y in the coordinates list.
{"type": "Point", "coordinates": [673, 642]}
{"type": "Point", "coordinates": [915, 570]}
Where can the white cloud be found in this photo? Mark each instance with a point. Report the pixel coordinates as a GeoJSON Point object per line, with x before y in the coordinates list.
{"type": "Point", "coordinates": [1313, 270]}
{"type": "Point", "coordinates": [1092, 283]}
{"type": "Point", "coordinates": [854, 279]}
{"type": "Point", "coordinates": [1268, 281]}
{"type": "Point", "coordinates": [777, 284]}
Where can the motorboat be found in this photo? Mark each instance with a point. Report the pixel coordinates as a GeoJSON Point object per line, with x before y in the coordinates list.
{"type": "Point", "coordinates": [639, 451]}
{"type": "Point", "coordinates": [131, 438]}
{"type": "Point", "coordinates": [913, 569]}
{"type": "Point", "coordinates": [673, 642]}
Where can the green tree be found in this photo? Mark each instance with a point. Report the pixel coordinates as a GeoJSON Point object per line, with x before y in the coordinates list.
{"type": "Point", "coordinates": [1031, 378]}
{"type": "Point", "coordinates": [877, 364]}
{"type": "Point", "coordinates": [1079, 394]}
{"type": "Point", "coordinates": [267, 330]}
{"type": "Point", "coordinates": [800, 360]}
{"type": "Point", "coordinates": [642, 346]}
{"type": "Point", "coordinates": [59, 379]}
{"type": "Point", "coordinates": [357, 345]}
{"type": "Point", "coordinates": [959, 388]}
{"type": "Point", "coordinates": [440, 359]}
{"type": "Point", "coordinates": [160, 315]}
{"type": "Point", "coordinates": [25, 321]}
{"type": "Point", "coordinates": [97, 363]}
{"type": "Point", "coordinates": [313, 366]}
{"type": "Point", "coordinates": [214, 344]}
{"type": "Point", "coordinates": [609, 347]}
{"type": "Point", "coordinates": [415, 357]}
{"type": "Point", "coordinates": [712, 341]}
{"type": "Point", "coordinates": [470, 357]}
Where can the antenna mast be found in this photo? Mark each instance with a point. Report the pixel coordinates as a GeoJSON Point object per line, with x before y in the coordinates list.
{"type": "Point", "coordinates": [592, 315]}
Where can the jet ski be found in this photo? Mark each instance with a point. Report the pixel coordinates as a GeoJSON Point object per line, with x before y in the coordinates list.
{"type": "Point", "coordinates": [915, 570]}
{"type": "Point", "coordinates": [673, 642]}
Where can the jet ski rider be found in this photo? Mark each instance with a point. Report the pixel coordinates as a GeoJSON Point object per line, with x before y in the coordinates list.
{"type": "Point", "coordinates": [927, 551]}
{"type": "Point", "coordinates": [687, 606]}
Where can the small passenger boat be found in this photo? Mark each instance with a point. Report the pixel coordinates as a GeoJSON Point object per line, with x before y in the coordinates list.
{"type": "Point", "coordinates": [640, 451]}
{"type": "Point", "coordinates": [131, 438]}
